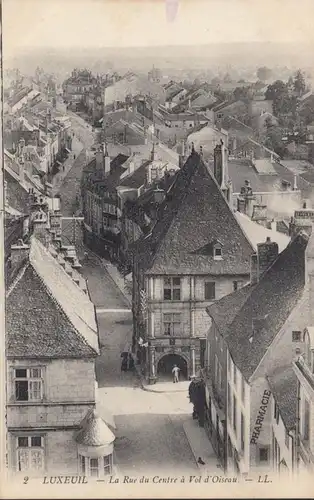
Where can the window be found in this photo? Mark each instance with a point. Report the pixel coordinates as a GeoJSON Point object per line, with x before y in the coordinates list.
{"type": "Point", "coordinates": [263, 454]}
{"type": "Point", "coordinates": [107, 465]}
{"type": "Point", "coordinates": [234, 374]}
{"type": "Point", "coordinates": [296, 336]}
{"type": "Point", "coordinates": [229, 402]}
{"type": "Point", "coordinates": [229, 363]}
{"type": "Point", "coordinates": [202, 352]}
{"type": "Point", "coordinates": [234, 413]}
{"type": "Point", "coordinates": [30, 453]}
{"type": "Point", "coordinates": [95, 467]}
{"type": "Point", "coordinates": [242, 389]}
{"type": "Point", "coordinates": [287, 440]}
{"type": "Point", "coordinates": [216, 367]}
{"type": "Point", "coordinates": [210, 292]}
{"type": "Point", "coordinates": [237, 285]}
{"type": "Point", "coordinates": [28, 384]}
{"type": "Point", "coordinates": [306, 421]}
{"type": "Point", "coordinates": [172, 289]}
{"type": "Point", "coordinates": [153, 173]}
{"type": "Point", "coordinates": [172, 324]}
{"type": "Point", "coordinates": [242, 431]}
{"type": "Point", "coordinates": [217, 252]}
{"type": "Point", "coordinates": [276, 413]}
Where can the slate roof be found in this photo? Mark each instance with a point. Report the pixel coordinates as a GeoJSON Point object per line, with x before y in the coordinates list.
{"type": "Point", "coordinates": [17, 195]}
{"type": "Point", "coordinates": [272, 298]}
{"type": "Point", "coordinates": [111, 180]}
{"type": "Point", "coordinates": [194, 214]}
{"type": "Point", "coordinates": [241, 170]}
{"type": "Point", "coordinates": [36, 326]}
{"type": "Point", "coordinates": [137, 178]}
{"type": "Point", "coordinates": [284, 384]}
{"type": "Point", "coordinates": [47, 314]}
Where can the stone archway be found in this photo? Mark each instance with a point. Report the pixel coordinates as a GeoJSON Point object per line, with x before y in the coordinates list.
{"type": "Point", "coordinates": [167, 362]}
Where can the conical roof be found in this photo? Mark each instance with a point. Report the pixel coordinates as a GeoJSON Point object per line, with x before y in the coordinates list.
{"type": "Point", "coordinates": [95, 431]}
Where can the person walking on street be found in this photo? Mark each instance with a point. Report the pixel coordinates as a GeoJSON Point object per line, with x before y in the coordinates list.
{"type": "Point", "coordinates": [175, 373]}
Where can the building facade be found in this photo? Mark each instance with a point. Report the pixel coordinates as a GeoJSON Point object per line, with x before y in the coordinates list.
{"type": "Point", "coordinates": [181, 267]}
{"type": "Point", "coordinates": [51, 347]}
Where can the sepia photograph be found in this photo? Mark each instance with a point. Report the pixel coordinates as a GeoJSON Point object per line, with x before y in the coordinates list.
{"type": "Point", "coordinates": [157, 252]}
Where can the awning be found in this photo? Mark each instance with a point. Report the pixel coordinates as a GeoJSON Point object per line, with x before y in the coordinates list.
{"type": "Point", "coordinates": [59, 163]}
{"type": "Point", "coordinates": [68, 150]}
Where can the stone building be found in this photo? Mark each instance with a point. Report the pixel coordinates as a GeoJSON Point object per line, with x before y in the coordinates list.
{"type": "Point", "coordinates": [51, 348]}
{"type": "Point", "coordinates": [195, 254]}
{"type": "Point", "coordinates": [251, 390]}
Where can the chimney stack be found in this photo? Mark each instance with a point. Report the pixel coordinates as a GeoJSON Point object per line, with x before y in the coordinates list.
{"type": "Point", "coordinates": [266, 254]}
{"type": "Point", "coordinates": [99, 156]}
{"type": "Point", "coordinates": [107, 161]}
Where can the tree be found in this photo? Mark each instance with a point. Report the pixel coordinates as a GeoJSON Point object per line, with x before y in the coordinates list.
{"type": "Point", "coordinates": [263, 73]}
{"type": "Point", "coordinates": [242, 93]}
{"type": "Point", "coordinates": [299, 82]}
{"type": "Point", "coordinates": [274, 140]}
{"type": "Point", "coordinates": [283, 103]}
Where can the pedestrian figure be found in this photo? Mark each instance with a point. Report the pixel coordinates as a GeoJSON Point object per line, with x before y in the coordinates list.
{"type": "Point", "coordinates": [175, 373]}
{"type": "Point", "coordinates": [124, 363]}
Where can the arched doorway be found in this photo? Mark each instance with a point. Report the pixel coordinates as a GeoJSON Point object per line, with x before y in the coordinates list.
{"type": "Point", "coordinates": [167, 362]}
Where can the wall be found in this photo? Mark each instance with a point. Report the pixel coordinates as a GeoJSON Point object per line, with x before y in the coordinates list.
{"type": "Point", "coordinates": [224, 286]}
{"type": "Point", "coordinates": [60, 451]}
{"type": "Point", "coordinates": [259, 388]}
{"type": "Point", "coordinates": [71, 383]}
{"type": "Point", "coordinates": [242, 407]}
{"type": "Point", "coordinates": [279, 431]}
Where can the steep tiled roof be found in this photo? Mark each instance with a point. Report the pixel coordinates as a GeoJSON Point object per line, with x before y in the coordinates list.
{"type": "Point", "coordinates": [283, 384]}
{"type": "Point", "coordinates": [272, 298]}
{"type": "Point", "coordinates": [224, 311]}
{"type": "Point", "coordinates": [194, 214]}
{"type": "Point", "coordinates": [36, 326]}
{"type": "Point", "coordinates": [48, 314]}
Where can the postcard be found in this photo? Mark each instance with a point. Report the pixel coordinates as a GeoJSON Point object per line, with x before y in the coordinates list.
{"type": "Point", "coordinates": [157, 205]}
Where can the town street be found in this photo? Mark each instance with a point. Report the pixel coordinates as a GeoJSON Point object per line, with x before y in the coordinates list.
{"type": "Point", "coordinates": [149, 425]}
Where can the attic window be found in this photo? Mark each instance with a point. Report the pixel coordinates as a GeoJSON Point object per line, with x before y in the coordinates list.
{"type": "Point", "coordinates": [217, 252]}
{"type": "Point", "coordinates": [296, 336]}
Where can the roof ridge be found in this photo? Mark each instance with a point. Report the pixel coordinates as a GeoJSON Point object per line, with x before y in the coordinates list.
{"type": "Point", "coordinates": [17, 279]}
{"type": "Point", "coordinates": [179, 203]}
{"type": "Point", "coordinates": [60, 308]}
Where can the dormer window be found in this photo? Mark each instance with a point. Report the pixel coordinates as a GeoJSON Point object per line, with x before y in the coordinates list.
{"type": "Point", "coordinates": [217, 251]}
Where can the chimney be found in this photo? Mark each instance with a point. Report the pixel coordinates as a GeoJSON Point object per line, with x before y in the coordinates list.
{"type": "Point", "coordinates": [107, 161]}
{"type": "Point", "coordinates": [159, 195]}
{"type": "Point", "coordinates": [99, 156]}
{"type": "Point", "coordinates": [189, 104]}
{"type": "Point", "coordinates": [218, 164]}
{"type": "Point", "coordinates": [19, 254]}
{"type": "Point", "coordinates": [295, 184]}
{"type": "Point", "coordinates": [40, 226]}
{"type": "Point", "coordinates": [254, 269]}
{"type": "Point", "coordinates": [153, 154]}
{"type": "Point", "coordinates": [267, 253]}
{"type": "Point", "coordinates": [234, 144]}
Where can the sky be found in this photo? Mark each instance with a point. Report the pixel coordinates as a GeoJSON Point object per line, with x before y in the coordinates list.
{"type": "Point", "coordinates": [71, 24]}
